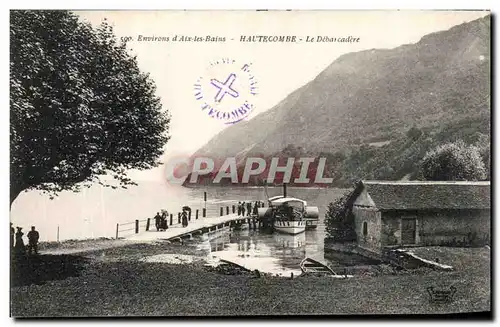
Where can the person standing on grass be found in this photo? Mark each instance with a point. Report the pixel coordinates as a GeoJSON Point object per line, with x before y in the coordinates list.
{"type": "Point", "coordinates": [12, 233]}
{"type": "Point", "coordinates": [33, 237]}
{"type": "Point", "coordinates": [243, 209]}
{"type": "Point", "coordinates": [249, 208]}
{"type": "Point", "coordinates": [157, 221]}
{"type": "Point", "coordinates": [19, 248]}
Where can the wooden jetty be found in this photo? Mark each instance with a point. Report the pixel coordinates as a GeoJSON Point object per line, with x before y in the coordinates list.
{"type": "Point", "coordinates": [196, 227]}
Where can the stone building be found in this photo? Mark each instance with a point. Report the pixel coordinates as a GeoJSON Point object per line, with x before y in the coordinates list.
{"type": "Point", "coordinates": [406, 213]}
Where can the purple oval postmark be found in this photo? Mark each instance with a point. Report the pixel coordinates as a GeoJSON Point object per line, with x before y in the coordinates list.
{"type": "Point", "coordinates": [226, 90]}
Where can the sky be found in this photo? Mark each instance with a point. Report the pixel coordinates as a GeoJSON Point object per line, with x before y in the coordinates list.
{"type": "Point", "coordinates": [278, 68]}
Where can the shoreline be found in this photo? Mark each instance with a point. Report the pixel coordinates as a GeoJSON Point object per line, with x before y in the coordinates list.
{"type": "Point", "coordinates": [119, 281]}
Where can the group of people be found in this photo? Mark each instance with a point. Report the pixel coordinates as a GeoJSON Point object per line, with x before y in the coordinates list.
{"type": "Point", "coordinates": [17, 242]}
{"type": "Point", "coordinates": [161, 221]}
{"type": "Point", "coordinates": [248, 208]}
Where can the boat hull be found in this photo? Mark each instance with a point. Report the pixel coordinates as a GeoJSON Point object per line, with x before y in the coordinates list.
{"type": "Point", "coordinates": [311, 266]}
{"type": "Point", "coordinates": [311, 224]}
{"type": "Point", "coordinates": [290, 227]}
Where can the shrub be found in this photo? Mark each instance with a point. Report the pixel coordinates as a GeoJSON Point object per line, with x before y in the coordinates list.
{"type": "Point", "coordinates": [339, 220]}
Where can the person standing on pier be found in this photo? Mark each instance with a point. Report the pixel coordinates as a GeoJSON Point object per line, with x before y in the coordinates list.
{"type": "Point", "coordinates": [249, 208]}
{"type": "Point", "coordinates": [184, 218]}
{"type": "Point", "coordinates": [157, 221]}
{"type": "Point", "coordinates": [239, 208]}
{"type": "Point", "coordinates": [163, 220]}
{"type": "Point", "coordinates": [243, 209]}
{"type": "Point", "coordinates": [255, 208]}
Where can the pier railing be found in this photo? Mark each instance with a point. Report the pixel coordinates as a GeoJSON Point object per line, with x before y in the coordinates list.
{"type": "Point", "coordinates": [134, 227]}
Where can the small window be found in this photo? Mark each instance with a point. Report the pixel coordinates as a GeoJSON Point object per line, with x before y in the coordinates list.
{"type": "Point", "coordinates": [365, 228]}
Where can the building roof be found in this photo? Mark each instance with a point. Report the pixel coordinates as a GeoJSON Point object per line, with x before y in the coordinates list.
{"type": "Point", "coordinates": [408, 195]}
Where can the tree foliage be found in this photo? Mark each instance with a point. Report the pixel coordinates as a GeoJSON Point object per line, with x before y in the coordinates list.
{"type": "Point", "coordinates": [454, 161]}
{"type": "Point", "coordinates": [339, 220]}
{"type": "Point", "coordinates": [80, 107]}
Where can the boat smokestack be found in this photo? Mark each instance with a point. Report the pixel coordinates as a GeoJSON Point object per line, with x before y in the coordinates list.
{"type": "Point", "coordinates": [284, 190]}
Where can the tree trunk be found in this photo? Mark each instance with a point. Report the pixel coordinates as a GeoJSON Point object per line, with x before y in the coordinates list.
{"type": "Point", "coordinates": [15, 190]}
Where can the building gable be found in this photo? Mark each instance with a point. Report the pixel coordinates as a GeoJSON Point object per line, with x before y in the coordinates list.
{"type": "Point", "coordinates": [364, 200]}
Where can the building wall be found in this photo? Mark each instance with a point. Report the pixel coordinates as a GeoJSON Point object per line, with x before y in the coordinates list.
{"type": "Point", "coordinates": [443, 227]}
{"type": "Point", "coordinates": [372, 240]}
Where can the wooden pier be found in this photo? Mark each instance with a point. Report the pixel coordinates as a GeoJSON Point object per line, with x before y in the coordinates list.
{"type": "Point", "coordinates": [195, 227]}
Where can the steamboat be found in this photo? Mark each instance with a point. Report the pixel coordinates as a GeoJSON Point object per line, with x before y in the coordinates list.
{"type": "Point", "coordinates": [288, 214]}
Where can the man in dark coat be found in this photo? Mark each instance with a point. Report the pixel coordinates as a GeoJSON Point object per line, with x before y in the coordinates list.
{"type": "Point", "coordinates": [157, 221]}
{"type": "Point", "coordinates": [255, 208]}
{"type": "Point", "coordinates": [243, 209]}
{"type": "Point", "coordinates": [33, 237]}
{"type": "Point", "coordinates": [239, 208]}
{"type": "Point", "coordinates": [249, 208]}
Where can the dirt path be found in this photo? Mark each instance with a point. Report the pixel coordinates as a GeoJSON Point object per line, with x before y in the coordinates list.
{"type": "Point", "coordinates": [87, 246]}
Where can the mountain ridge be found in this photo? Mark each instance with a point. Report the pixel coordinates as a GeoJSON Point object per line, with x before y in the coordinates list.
{"type": "Point", "coordinates": [375, 95]}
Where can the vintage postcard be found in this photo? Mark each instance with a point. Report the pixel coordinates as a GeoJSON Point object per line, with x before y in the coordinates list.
{"type": "Point", "coordinates": [250, 163]}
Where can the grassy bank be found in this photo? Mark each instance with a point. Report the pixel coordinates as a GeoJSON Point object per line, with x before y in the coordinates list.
{"type": "Point", "coordinates": [111, 282]}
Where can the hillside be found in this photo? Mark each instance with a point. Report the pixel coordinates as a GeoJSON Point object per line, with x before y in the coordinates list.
{"type": "Point", "coordinates": [370, 99]}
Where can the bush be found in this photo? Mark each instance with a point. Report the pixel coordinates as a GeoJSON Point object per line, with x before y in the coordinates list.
{"type": "Point", "coordinates": [339, 220]}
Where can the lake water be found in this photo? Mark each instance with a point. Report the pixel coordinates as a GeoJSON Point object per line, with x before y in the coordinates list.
{"type": "Point", "coordinates": [94, 212]}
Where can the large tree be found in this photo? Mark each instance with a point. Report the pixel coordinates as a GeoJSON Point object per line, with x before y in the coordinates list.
{"type": "Point", "coordinates": [455, 161]}
{"type": "Point", "coordinates": [80, 107]}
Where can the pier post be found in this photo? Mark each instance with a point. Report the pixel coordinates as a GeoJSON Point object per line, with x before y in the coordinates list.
{"type": "Point", "coordinates": [204, 212]}
{"type": "Point", "coordinates": [189, 215]}
{"type": "Point", "coordinates": [196, 215]}
{"type": "Point", "coordinates": [227, 210]}
{"type": "Point", "coordinates": [137, 226]}
{"type": "Point", "coordinates": [234, 208]}
{"type": "Point", "coordinates": [117, 230]}
{"type": "Point", "coordinates": [221, 211]}
{"type": "Point", "coordinates": [171, 219]}
{"type": "Point", "coordinates": [178, 217]}
{"type": "Point", "coordinates": [147, 224]}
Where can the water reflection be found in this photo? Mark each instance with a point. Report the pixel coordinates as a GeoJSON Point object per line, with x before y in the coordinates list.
{"type": "Point", "coordinates": [274, 253]}
{"type": "Point", "coordinates": [271, 253]}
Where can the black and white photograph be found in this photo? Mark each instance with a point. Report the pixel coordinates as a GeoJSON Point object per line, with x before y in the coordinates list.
{"type": "Point", "coordinates": [250, 163]}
